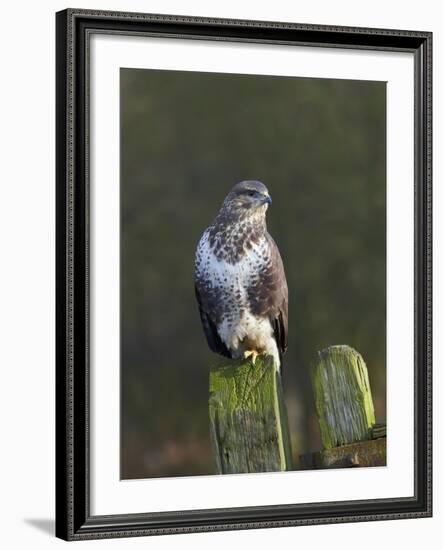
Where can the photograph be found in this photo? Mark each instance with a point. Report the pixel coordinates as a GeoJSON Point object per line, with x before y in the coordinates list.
{"type": "Point", "coordinates": [243, 276]}
{"type": "Point", "coordinates": [252, 273]}
{"type": "Point", "coordinates": [221, 275]}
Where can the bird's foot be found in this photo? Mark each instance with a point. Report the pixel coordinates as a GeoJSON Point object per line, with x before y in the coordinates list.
{"type": "Point", "coordinates": [252, 354]}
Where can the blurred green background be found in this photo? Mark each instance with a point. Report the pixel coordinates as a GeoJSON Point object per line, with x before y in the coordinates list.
{"type": "Point", "coordinates": [186, 138]}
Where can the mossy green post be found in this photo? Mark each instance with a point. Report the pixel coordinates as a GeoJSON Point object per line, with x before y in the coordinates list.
{"type": "Point", "coordinates": [342, 397]}
{"type": "Point", "coordinates": [248, 419]}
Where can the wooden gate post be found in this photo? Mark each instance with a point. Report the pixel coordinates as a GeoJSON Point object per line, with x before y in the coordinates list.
{"type": "Point", "coordinates": [248, 419]}
{"type": "Point", "coordinates": [345, 410]}
{"type": "Point", "coordinates": [342, 396]}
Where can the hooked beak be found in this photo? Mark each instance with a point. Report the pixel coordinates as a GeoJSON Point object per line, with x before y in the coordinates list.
{"type": "Point", "coordinates": [267, 200]}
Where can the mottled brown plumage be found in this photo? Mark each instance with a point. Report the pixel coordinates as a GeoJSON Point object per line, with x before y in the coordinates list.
{"type": "Point", "coordinates": [240, 281]}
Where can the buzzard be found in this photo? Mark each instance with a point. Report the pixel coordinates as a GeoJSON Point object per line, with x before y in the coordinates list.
{"type": "Point", "coordinates": [240, 281]}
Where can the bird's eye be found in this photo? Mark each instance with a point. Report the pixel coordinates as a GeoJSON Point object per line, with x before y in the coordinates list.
{"type": "Point", "coordinates": [251, 193]}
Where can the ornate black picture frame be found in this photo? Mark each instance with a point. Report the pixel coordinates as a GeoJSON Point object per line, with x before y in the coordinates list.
{"type": "Point", "coordinates": [73, 517]}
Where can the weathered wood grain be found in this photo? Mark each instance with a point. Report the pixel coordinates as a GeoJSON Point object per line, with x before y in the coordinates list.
{"type": "Point", "coordinates": [248, 419]}
{"type": "Point", "coordinates": [361, 454]}
{"type": "Point", "coordinates": [342, 397]}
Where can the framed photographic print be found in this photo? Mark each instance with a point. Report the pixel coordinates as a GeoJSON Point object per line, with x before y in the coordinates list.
{"type": "Point", "coordinates": [243, 274]}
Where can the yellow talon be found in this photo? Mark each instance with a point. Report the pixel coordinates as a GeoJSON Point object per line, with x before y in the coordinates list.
{"type": "Point", "coordinates": [251, 353]}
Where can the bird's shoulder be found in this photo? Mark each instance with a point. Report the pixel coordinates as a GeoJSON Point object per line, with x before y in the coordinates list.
{"type": "Point", "coordinates": [203, 246]}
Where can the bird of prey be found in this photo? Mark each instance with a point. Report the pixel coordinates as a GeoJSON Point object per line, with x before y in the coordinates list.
{"type": "Point", "coordinates": [240, 281]}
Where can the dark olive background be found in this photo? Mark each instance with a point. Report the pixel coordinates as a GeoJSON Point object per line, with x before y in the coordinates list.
{"type": "Point", "coordinates": [186, 138]}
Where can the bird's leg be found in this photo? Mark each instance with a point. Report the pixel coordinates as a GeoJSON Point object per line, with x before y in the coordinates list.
{"type": "Point", "coordinates": [251, 353]}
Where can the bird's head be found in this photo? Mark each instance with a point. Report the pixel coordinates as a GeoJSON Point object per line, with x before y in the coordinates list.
{"type": "Point", "coordinates": [247, 197]}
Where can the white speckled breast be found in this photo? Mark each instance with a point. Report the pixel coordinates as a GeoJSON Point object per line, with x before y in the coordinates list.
{"type": "Point", "coordinates": [224, 286]}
